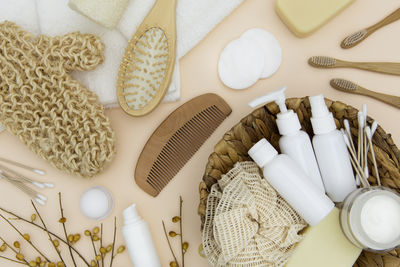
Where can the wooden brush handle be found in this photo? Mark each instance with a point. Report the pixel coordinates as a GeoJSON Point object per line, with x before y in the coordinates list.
{"type": "Point", "coordinates": [382, 67]}
{"type": "Point", "coordinates": [389, 19]}
{"type": "Point", "coordinates": [388, 99]}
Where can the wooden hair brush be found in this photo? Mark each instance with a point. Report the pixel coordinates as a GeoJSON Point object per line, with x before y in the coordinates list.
{"type": "Point", "coordinates": [148, 63]}
{"type": "Point", "coordinates": [175, 141]}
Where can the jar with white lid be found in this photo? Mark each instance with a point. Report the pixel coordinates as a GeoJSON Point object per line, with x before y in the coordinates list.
{"type": "Point", "coordinates": [370, 218]}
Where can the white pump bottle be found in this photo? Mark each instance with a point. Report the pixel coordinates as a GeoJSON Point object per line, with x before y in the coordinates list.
{"type": "Point", "coordinates": [331, 152]}
{"type": "Point", "coordinates": [294, 142]}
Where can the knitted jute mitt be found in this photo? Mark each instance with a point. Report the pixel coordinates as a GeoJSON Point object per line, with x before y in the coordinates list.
{"type": "Point", "coordinates": [54, 115]}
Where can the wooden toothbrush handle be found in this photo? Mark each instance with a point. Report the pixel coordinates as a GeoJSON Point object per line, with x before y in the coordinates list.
{"type": "Point", "coordinates": [389, 19]}
{"type": "Point", "coordinates": [382, 67]}
{"type": "Point", "coordinates": [388, 99]}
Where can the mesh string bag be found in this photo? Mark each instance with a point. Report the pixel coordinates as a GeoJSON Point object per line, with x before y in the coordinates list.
{"type": "Point", "coordinates": [247, 222]}
{"type": "Point", "coordinates": [54, 115]}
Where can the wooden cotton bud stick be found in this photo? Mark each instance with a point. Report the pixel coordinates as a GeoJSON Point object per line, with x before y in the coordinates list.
{"type": "Point", "coordinates": [368, 132]}
{"type": "Point", "coordinates": [374, 126]}
{"type": "Point", "coordinates": [23, 166]}
{"type": "Point", "coordinates": [355, 163]}
{"type": "Point", "coordinates": [348, 131]}
{"type": "Point", "coordinates": [360, 119]}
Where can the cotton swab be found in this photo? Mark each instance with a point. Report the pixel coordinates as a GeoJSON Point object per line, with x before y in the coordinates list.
{"type": "Point", "coordinates": [347, 127]}
{"type": "Point", "coordinates": [374, 127]}
{"type": "Point", "coordinates": [23, 166]}
{"type": "Point", "coordinates": [39, 198]}
{"type": "Point", "coordinates": [18, 176]}
{"type": "Point", "coordinates": [355, 163]}
{"type": "Point", "coordinates": [368, 133]}
{"type": "Point", "coordinates": [20, 181]}
{"type": "Point", "coordinates": [360, 120]}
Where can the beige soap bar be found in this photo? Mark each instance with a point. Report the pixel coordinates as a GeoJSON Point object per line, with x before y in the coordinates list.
{"type": "Point", "coordinates": [105, 12]}
{"type": "Point", "coordinates": [325, 245]}
{"type": "Point", "coordinates": [305, 16]}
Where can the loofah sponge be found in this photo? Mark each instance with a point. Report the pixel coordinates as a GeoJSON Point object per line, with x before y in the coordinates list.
{"type": "Point", "coordinates": [54, 115]}
{"type": "Point", "coordinates": [105, 12]}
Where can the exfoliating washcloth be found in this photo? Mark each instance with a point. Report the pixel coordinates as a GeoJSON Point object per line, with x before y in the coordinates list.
{"type": "Point", "coordinates": [247, 222]}
{"type": "Point", "coordinates": [53, 114]}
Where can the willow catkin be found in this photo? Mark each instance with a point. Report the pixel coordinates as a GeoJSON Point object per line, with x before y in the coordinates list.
{"type": "Point", "coordinates": [54, 115]}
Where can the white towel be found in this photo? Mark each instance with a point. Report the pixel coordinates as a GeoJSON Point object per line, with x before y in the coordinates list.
{"type": "Point", "coordinates": [22, 12]}
{"type": "Point", "coordinates": [195, 19]}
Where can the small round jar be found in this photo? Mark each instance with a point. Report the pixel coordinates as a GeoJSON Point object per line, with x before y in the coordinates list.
{"type": "Point", "coordinates": [370, 218]}
{"type": "Point", "coordinates": [96, 203]}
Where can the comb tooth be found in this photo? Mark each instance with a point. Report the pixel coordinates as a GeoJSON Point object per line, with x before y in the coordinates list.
{"type": "Point", "coordinates": [158, 175]}
{"type": "Point", "coordinates": [154, 179]}
{"type": "Point", "coordinates": [172, 148]}
{"type": "Point", "coordinates": [153, 182]}
{"type": "Point", "coordinates": [182, 145]}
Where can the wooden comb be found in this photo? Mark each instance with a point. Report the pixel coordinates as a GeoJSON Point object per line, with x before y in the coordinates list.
{"type": "Point", "coordinates": [175, 141]}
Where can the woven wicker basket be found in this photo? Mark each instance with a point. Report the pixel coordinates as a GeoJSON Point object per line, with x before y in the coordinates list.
{"type": "Point", "coordinates": [261, 123]}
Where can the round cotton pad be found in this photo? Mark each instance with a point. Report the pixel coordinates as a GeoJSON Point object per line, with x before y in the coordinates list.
{"type": "Point", "coordinates": [96, 203]}
{"type": "Point", "coordinates": [241, 64]}
{"type": "Point", "coordinates": [269, 44]}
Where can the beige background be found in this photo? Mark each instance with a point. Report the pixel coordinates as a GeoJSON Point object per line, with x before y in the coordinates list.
{"type": "Point", "coordinates": [199, 76]}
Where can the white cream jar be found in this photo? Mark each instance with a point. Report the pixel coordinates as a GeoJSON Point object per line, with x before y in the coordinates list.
{"type": "Point", "coordinates": [370, 218]}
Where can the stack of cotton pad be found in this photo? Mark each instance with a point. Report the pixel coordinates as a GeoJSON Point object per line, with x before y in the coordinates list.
{"type": "Point", "coordinates": [255, 55]}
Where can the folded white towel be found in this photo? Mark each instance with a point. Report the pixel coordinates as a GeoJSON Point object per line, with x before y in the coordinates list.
{"type": "Point", "coordinates": [195, 18]}
{"type": "Point", "coordinates": [22, 12]}
{"type": "Point", "coordinates": [56, 18]}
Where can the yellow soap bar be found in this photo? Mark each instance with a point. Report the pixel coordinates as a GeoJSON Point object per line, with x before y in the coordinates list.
{"type": "Point", "coordinates": [305, 16]}
{"type": "Point", "coordinates": [325, 245]}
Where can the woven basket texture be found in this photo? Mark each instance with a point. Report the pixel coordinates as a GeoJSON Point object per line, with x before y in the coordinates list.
{"type": "Point", "coordinates": [261, 124]}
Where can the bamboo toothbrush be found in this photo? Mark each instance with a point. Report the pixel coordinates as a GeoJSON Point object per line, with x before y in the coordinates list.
{"type": "Point", "coordinates": [146, 69]}
{"type": "Point", "coordinates": [361, 35]}
{"type": "Point", "coordinates": [350, 87]}
{"type": "Point", "coordinates": [330, 62]}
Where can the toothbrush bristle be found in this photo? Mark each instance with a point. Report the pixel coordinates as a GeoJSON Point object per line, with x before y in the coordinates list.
{"type": "Point", "coordinates": [354, 38]}
{"type": "Point", "coordinates": [343, 85]}
{"type": "Point", "coordinates": [322, 61]}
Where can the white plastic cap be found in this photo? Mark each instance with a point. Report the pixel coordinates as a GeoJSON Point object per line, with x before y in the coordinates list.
{"type": "Point", "coordinates": [288, 122]}
{"type": "Point", "coordinates": [322, 120]}
{"type": "Point", "coordinates": [130, 214]}
{"type": "Point", "coordinates": [262, 152]}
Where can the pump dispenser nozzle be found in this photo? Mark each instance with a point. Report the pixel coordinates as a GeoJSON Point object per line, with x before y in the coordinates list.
{"type": "Point", "coordinates": [287, 121]}
{"type": "Point", "coordinates": [322, 120]}
{"type": "Point", "coordinates": [278, 96]}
